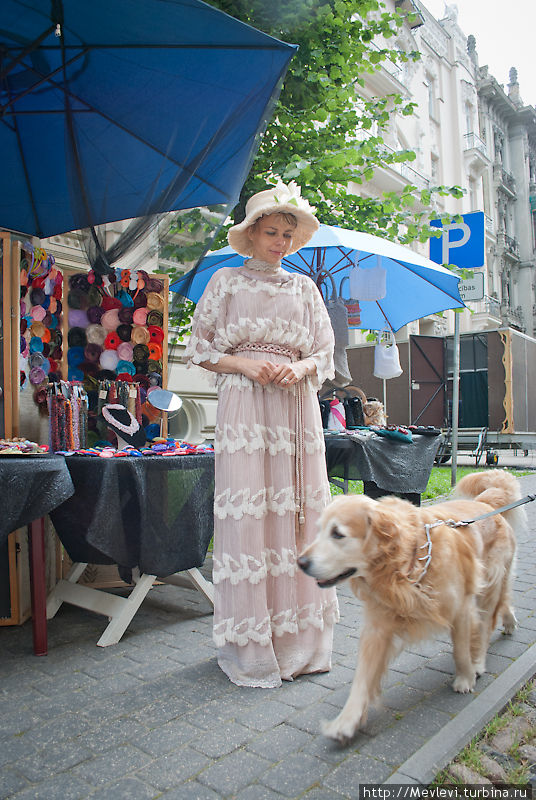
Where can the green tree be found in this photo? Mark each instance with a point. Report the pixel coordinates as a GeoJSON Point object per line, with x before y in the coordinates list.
{"type": "Point", "coordinates": [324, 133]}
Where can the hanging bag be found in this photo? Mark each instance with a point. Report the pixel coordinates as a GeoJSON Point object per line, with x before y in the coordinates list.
{"type": "Point", "coordinates": [368, 283]}
{"type": "Point", "coordinates": [338, 316]}
{"type": "Point", "coordinates": [386, 356]}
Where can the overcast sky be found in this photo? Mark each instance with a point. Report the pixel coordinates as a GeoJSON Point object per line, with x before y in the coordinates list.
{"type": "Point", "coordinates": [505, 32]}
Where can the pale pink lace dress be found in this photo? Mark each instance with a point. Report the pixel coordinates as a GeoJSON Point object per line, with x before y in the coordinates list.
{"type": "Point", "coordinates": [271, 621]}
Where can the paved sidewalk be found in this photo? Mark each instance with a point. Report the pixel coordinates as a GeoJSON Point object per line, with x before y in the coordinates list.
{"type": "Point", "coordinates": [153, 716]}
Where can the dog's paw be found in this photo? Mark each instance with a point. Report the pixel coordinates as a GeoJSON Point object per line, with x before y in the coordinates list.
{"type": "Point", "coordinates": [463, 684]}
{"type": "Point", "coordinates": [480, 668]}
{"type": "Point", "coordinates": [339, 729]}
{"type": "Point", "coordinates": [509, 623]}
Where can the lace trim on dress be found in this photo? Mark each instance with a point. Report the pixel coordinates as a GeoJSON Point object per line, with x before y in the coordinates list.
{"type": "Point", "coordinates": [261, 266]}
{"type": "Point", "coordinates": [252, 569]}
{"type": "Point", "coordinates": [252, 438]}
{"type": "Point", "coordinates": [291, 621]}
{"type": "Point", "coordinates": [258, 504]}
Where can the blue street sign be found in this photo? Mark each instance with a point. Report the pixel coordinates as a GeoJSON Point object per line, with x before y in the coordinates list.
{"type": "Point", "coordinates": [461, 244]}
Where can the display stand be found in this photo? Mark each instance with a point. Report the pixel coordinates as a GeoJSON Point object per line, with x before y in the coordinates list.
{"type": "Point", "coordinates": [120, 610]}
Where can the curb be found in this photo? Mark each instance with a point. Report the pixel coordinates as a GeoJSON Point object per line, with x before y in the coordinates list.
{"type": "Point", "coordinates": [422, 767]}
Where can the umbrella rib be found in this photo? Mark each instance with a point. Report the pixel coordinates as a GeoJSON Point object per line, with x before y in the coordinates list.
{"type": "Point", "coordinates": [44, 79]}
{"type": "Point", "coordinates": [407, 266]}
{"type": "Point", "coordinates": [26, 51]}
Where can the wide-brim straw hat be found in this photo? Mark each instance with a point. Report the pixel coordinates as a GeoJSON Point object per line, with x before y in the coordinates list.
{"type": "Point", "coordinates": [281, 199]}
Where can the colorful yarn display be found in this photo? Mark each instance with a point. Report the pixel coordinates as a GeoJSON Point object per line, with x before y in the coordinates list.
{"type": "Point", "coordinates": [41, 285]}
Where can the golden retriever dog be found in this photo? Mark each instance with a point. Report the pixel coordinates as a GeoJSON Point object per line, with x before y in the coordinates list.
{"type": "Point", "coordinates": [415, 581]}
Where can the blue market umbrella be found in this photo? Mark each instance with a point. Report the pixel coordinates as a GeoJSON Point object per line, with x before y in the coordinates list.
{"type": "Point", "coordinates": [115, 110]}
{"type": "Point", "coordinates": [415, 286]}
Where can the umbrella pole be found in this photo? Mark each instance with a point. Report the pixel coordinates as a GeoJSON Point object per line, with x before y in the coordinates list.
{"type": "Point", "coordinates": [385, 397]}
{"type": "Point", "coordinates": [455, 398]}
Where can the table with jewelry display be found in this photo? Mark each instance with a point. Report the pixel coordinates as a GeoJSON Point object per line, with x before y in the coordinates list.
{"type": "Point", "coordinates": [386, 464]}
{"type": "Point", "coordinates": [151, 515]}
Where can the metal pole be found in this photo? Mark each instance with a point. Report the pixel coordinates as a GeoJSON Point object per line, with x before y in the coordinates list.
{"type": "Point", "coordinates": [455, 398]}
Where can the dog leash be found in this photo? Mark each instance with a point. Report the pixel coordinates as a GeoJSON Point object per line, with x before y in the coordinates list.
{"type": "Point", "coordinates": [452, 523]}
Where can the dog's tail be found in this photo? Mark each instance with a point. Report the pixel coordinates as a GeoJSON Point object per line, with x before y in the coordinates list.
{"type": "Point", "coordinates": [497, 488]}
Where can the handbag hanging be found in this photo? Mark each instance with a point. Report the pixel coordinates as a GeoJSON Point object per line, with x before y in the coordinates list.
{"type": "Point", "coordinates": [338, 316]}
{"type": "Point", "coordinates": [368, 283]}
{"type": "Point", "coordinates": [386, 356]}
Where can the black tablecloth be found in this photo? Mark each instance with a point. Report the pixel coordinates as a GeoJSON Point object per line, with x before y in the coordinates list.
{"type": "Point", "coordinates": [400, 467]}
{"type": "Point", "coordinates": [30, 487]}
{"type": "Point", "coordinates": [155, 512]}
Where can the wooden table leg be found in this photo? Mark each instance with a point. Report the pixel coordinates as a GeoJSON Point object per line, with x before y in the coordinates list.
{"type": "Point", "coordinates": [36, 541]}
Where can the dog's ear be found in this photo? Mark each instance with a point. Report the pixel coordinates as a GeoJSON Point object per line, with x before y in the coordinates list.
{"type": "Point", "coordinates": [383, 523]}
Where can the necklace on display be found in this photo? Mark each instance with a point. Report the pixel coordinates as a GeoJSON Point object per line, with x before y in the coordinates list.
{"type": "Point", "coordinates": [128, 429]}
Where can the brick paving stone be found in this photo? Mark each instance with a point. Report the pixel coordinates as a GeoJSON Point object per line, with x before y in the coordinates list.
{"type": "Point", "coordinates": [61, 728]}
{"type": "Point", "coordinates": [507, 646]}
{"type": "Point", "coordinates": [353, 771]}
{"type": "Point", "coordinates": [112, 765]}
{"type": "Point", "coordinates": [163, 739]}
{"type": "Point", "coordinates": [427, 679]}
{"type": "Point", "coordinates": [191, 790]}
{"type": "Point", "coordinates": [172, 769]}
{"type": "Point", "coordinates": [126, 789]}
{"type": "Point", "coordinates": [401, 698]}
{"type": "Point", "coordinates": [295, 774]}
{"type": "Point", "coordinates": [408, 662]}
{"type": "Point", "coordinates": [222, 740]}
{"type": "Point", "coordinates": [233, 772]}
{"type": "Point", "coordinates": [310, 719]}
{"type": "Point", "coordinates": [257, 792]}
{"type": "Point", "coordinates": [53, 759]}
{"type": "Point", "coordinates": [162, 711]}
{"type": "Point", "coordinates": [11, 782]}
{"type": "Point", "coordinates": [423, 720]}
{"type": "Point", "coordinates": [450, 701]}
{"type": "Point", "coordinates": [61, 787]}
{"type": "Point", "coordinates": [338, 676]}
{"type": "Point", "coordinates": [302, 693]}
{"type": "Point", "coordinates": [321, 793]}
{"type": "Point", "coordinates": [13, 723]}
{"type": "Point", "coordinates": [391, 746]}
{"type": "Point", "coordinates": [265, 715]}
{"type": "Point", "coordinates": [278, 742]}
{"type": "Point", "coordinates": [105, 735]}
{"type": "Point", "coordinates": [326, 749]}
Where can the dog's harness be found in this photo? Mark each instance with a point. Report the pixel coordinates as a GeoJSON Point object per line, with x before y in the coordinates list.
{"type": "Point", "coordinates": [452, 523]}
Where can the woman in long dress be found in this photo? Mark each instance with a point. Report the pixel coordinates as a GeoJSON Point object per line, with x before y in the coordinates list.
{"type": "Point", "coordinates": [267, 336]}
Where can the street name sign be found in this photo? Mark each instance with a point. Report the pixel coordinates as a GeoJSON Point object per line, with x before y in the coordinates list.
{"type": "Point", "coordinates": [473, 288]}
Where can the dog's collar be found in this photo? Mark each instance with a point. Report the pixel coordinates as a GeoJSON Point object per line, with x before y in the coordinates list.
{"type": "Point", "coordinates": [462, 523]}
{"type": "Point", "coordinates": [428, 555]}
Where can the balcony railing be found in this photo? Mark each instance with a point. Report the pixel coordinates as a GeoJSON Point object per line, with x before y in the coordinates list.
{"type": "Point", "coordinates": [512, 245]}
{"type": "Point", "coordinates": [395, 70]}
{"type": "Point", "coordinates": [504, 177]}
{"type": "Point", "coordinates": [406, 171]}
{"type": "Point", "coordinates": [488, 222]}
{"type": "Point", "coordinates": [472, 141]}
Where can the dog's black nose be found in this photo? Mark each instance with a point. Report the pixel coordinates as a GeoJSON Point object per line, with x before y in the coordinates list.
{"type": "Point", "coordinates": [304, 563]}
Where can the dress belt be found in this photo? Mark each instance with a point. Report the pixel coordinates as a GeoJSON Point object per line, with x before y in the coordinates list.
{"type": "Point", "coordinates": [294, 355]}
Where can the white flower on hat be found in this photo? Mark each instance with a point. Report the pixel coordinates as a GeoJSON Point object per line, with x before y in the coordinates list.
{"type": "Point", "coordinates": [281, 199]}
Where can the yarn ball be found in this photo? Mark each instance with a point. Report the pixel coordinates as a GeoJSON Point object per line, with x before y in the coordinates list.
{"type": "Point", "coordinates": [94, 314]}
{"type": "Point", "coordinates": [125, 351]}
{"type": "Point", "coordinates": [112, 341]}
{"type": "Point", "coordinates": [124, 332]}
{"type": "Point", "coordinates": [96, 334]}
{"type": "Point", "coordinates": [78, 318]}
{"type": "Point", "coordinates": [92, 352]}
{"type": "Point", "coordinates": [126, 315]}
{"type": "Point", "coordinates": [108, 359]}
{"type": "Point", "coordinates": [77, 337]}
